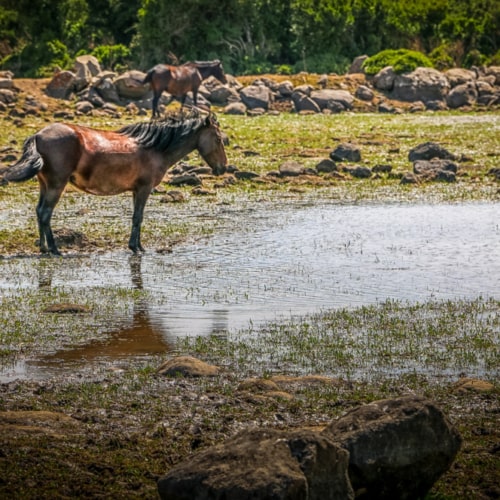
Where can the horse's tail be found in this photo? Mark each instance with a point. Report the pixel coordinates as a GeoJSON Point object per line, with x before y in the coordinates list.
{"type": "Point", "coordinates": [27, 167]}
{"type": "Point", "coordinates": [149, 76]}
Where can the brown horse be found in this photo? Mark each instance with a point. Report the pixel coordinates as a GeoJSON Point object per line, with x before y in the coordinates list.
{"type": "Point", "coordinates": [179, 80]}
{"type": "Point", "coordinates": [134, 158]}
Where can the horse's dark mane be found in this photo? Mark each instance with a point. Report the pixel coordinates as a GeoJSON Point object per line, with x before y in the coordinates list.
{"type": "Point", "coordinates": [161, 134]}
{"type": "Point", "coordinates": [207, 64]}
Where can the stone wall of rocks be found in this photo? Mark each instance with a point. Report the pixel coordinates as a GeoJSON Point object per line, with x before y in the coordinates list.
{"type": "Point", "coordinates": [423, 88]}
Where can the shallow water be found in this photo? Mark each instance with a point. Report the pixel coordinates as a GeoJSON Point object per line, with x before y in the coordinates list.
{"type": "Point", "coordinates": [275, 264]}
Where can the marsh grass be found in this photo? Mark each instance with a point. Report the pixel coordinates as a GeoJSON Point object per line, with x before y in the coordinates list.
{"type": "Point", "coordinates": [440, 340]}
{"type": "Point", "coordinates": [26, 326]}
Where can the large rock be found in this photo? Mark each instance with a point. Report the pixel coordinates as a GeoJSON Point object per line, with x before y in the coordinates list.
{"type": "Point", "coordinates": [6, 83]}
{"type": "Point", "coordinates": [303, 103]}
{"type": "Point", "coordinates": [104, 84]}
{"type": "Point", "coordinates": [62, 85]}
{"type": "Point", "coordinates": [493, 71]}
{"type": "Point", "coordinates": [263, 464]}
{"type": "Point", "coordinates": [357, 65]}
{"type": "Point", "coordinates": [86, 68]}
{"type": "Point", "coordinates": [397, 448]}
{"type": "Point", "coordinates": [428, 151]}
{"type": "Point", "coordinates": [384, 79]}
{"type": "Point", "coordinates": [256, 96]}
{"type": "Point", "coordinates": [7, 96]}
{"type": "Point", "coordinates": [129, 85]}
{"type": "Point", "coordinates": [422, 84]}
{"type": "Point", "coordinates": [462, 95]}
{"type": "Point", "coordinates": [459, 76]}
{"type": "Point", "coordinates": [327, 98]}
{"type": "Point", "coordinates": [346, 152]}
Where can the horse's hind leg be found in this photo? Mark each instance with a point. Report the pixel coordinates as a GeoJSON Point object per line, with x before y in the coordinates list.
{"type": "Point", "coordinates": [156, 98]}
{"type": "Point", "coordinates": [46, 203]}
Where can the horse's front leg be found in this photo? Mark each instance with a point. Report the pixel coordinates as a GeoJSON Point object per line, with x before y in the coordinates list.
{"type": "Point", "coordinates": [140, 197]}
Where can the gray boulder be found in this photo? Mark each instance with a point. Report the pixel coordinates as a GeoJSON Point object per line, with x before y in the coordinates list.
{"type": "Point", "coordinates": [428, 151]}
{"type": "Point", "coordinates": [302, 103]}
{"type": "Point", "coordinates": [104, 84]}
{"type": "Point", "coordinates": [493, 71]}
{"type": "Point", "coordinates": [291, 168]}
{"type": "Point", "coordinates": [364, 93]}
{"type": "Point", "coordinates": [328, 98]}
{"type": "Point", "coordinates": [346, 152]}
{"type": "Point", "coordinates": [422, 84]}
{"type": "Point", "coordinates": [357, 65]}
{"type": "Point", "coordinates": [326, 166]}
{"type": "Point", "coordinates": [359, 171]}
{"type": "Point", "coordinates": [464, 94]}
{"type": "Point", "coordinates": [62, 85]}
{"type": "Point", "coordinates": [263, 464]}
{"type": "Point", "coordinates": [285, 88]}
{"type": "Point", "coordinates": [86, 68]}
{"type": "Point", "coordinates": [384, 79]}
{"type": "Point", "coordinates": [235, 108]}
{"type": "Point", "coordinates": [459, 76]}
{"type": "Point", "coordinates": [6, 83]}
{"type": "Point", "coordinates": [436, 169]}
{"type": "Point", "coordinates": [397, 448]}
{"type": "Point", "coordinates": [256, 96]}
{"type": "Point", "coordinates": [7, 96]}
{"type": "Point", "coordinates": [129, 85]}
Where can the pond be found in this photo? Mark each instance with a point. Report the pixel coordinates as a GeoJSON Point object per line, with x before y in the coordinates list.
{"type": "Point", "coordinates": [271, 265]}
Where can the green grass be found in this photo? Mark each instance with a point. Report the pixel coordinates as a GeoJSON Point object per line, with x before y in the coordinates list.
{"type": "Point", "coordinates": [387, 341]}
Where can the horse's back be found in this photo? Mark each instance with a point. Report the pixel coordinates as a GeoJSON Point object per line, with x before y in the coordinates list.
{"type": "Point", "coordinates": [57, 139]}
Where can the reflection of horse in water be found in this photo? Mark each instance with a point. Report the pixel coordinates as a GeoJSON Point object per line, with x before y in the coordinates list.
{"type": "Point", "coordinates": [179, 80]}
{"type": "Point", "coordinates": [143, 335]}
{"type": "Point", "coordinates": [140, 337]}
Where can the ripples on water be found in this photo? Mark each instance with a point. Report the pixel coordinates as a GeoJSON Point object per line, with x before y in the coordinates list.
{"type": "Point", "coordinates": [303, 260]}
{"type": "Point", "coordinates": [295, 261]}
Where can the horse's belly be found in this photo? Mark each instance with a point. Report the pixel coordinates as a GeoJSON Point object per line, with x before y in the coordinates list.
{"type": "Point", "coordinates": [107, 186]}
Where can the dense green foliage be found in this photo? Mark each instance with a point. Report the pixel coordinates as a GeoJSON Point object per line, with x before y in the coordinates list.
{"type": "Point", "coordinates": [401, 60]}
{"type": "Point", "coordinates": [249, 36]}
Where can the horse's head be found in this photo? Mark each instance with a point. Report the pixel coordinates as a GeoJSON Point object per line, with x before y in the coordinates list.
{"type": "Point", "coordinates": [211, 146]}
{"type": "Point", "coordinates": [218, 72]}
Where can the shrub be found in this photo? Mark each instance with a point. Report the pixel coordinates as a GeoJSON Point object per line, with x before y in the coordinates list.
{"type": "Point", "coordinates": [494, 60]}
{"type": "Point", "coordinates": [475, 58]}
{"type": "Point", "coordinates": [402, 61]}
{"type": "Point", "coordinates": [283, 69]}
{"type": "Point", "coordinates": [442, 57]}
{"type": "Point", "coordinates": [57, 55]}
{"type": "Point", "coordinates": [112, 57]}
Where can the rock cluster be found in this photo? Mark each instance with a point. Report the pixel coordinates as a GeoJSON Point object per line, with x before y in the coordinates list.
{"type": "Point", "coordinates": [391, 448]}
{"type": "Point", "coordinates": [394, 448]}
{"type": "Point", "coordinates": [430, 162]}
{"type": "Point", "coordinates": [387, 92]}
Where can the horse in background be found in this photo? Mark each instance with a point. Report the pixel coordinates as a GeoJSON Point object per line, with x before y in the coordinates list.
{"type": "Point", "coordinates": [101, 162]}
{"type": "Point", "coordinates": [179, 80]}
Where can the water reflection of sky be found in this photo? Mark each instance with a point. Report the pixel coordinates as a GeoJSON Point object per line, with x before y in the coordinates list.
{"type": "Point", "coordinates": [295, 261]}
